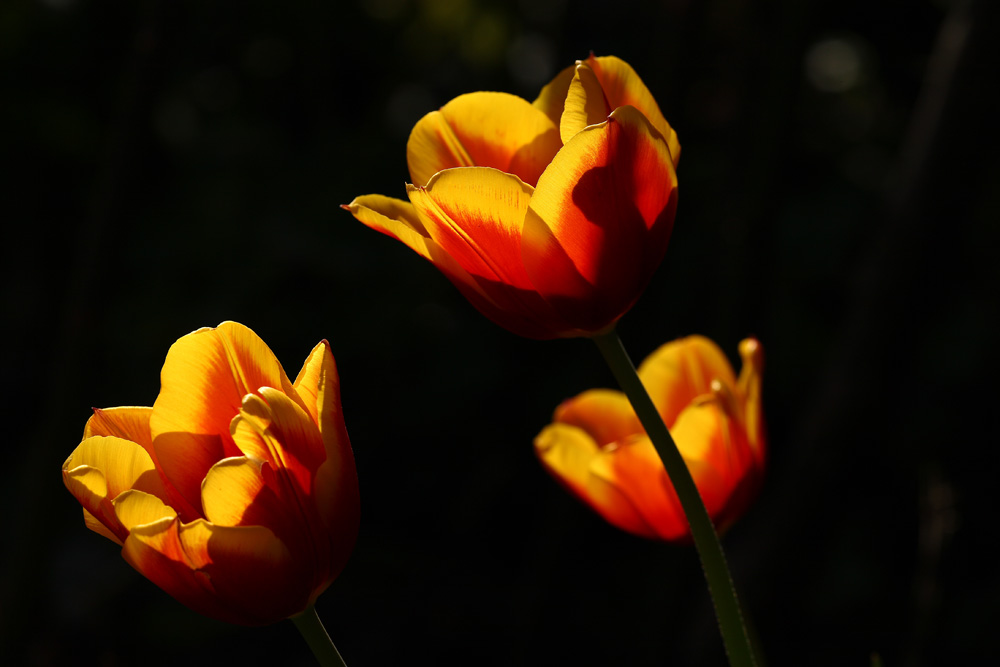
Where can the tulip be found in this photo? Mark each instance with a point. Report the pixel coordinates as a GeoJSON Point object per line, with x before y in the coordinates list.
{"type": "Point", "coordinates": [549, 217]}
{"type": "Point", "coordinates": [236, 493]}
{"type": "Point", "coordinates": [597, 448]}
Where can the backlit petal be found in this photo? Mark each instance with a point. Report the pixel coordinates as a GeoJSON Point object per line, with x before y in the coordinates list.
{"type": "Point", "coordinates": [336, 479]}
{"type": "Point", "coordinates": [635, 469]}
{"type": "Point", "coordinates": [749, 388]}
{"type": "Point", "coordinates": [585, 103]}
{"type": "Point", "coordinates": [714, 447]}
{"type": "Point", "coordinates": [622, 86]}
{"type": "Point", "coordinates": [135, 508]}
{"type": "Point", "coordinates": [606, 415]}
{"type": "Point", "coordinates": [599, 220]}
{"type": "Point", "coordinates": [289, 440]}
{"type": "Point", "coordinates": [103, 467]}
{"type": "Point", "coordinates": [483, 129]}
{"type": "Point", "coordinates": [203, 381]}
{"type": "Point", "coordinates": [552, 99]}
{"type": "Point", "coordinates": [569, 454]}
{"type": "Point", "coordinates": [682, 370]}
{"type": "Point", "coordinates": [130, 423]}
{"type": "Point", "coordinates": [393, 217]}
{"type": "Point", "coordinates": [476, 216]}
{"type": "Point", "coordinates": [242, 575]}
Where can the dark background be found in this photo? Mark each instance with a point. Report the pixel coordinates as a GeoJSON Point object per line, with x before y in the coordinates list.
{"type": "Point", "coordinates": [171, 165]}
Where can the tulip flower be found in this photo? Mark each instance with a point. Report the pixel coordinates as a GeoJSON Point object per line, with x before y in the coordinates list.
{"type": "Point", "coordinates": [597, 448]}
{"type": "Point", "coordinates": [550, 216]}
{"type": "Point", "coordinates": [236, 493]}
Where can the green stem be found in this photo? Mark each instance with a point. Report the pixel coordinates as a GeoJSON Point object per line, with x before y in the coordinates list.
{"type": "Point", "coordinates": [312, 630]}
{"type": "Point", "coordinates": [706, 541]}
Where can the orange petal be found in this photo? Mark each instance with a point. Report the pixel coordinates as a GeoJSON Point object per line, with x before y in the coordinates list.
{"type": "Point", "coordinates": [569, 454]}
{"type": "Point", "coordinates": [552, 99]}
{"type": "Point", "coordinates": [313, 378]}
{"type": "Point", "coordinates": [393, 217]}
{"type": "Point", "coordinates": [291, 440]}
{"type": "Point", "coordinates": [599, 220]}
{"type": "Point", "coordinates": [635, 469]}
{"type": "Point", "coordinates": [241, 575]}
{"type": "Point", "coordinates": [204, 379]}
{"type": "Point", "coordinates": [337, 479]}
{"type": "Point", "coordinates": [103, 467]}
{"type": "Point", "coordinates": [749, 388]}
{"type": "Point", "coordinates": [606, 415]}
{"type": "Point", "coordinates": [476, 216]}
{"type": "Point", "coordinates": [622, 86]}
{"type": "Point", "coordinates": [135, 508]}
{"type": "Point", "coordinates": [132, 423]}
{"type": "Point", "coordinates": [231, 494]}
{"type": "Point", "coordinates": [484, 129]}
{"type": "Point", "coordinates": [585, 103]}
{"type": "Point", "coordinates": [682, 370]}
{"type": "Point", "coordinates": [715, 449]}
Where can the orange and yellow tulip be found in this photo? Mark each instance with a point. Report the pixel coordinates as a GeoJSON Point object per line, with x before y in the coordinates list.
{"type": "Point", "coordinates": [236, 493]}
{"type": "Point", "coordinates": [549, 216]}
{"type": "Point", "coordinates": [599, 451]}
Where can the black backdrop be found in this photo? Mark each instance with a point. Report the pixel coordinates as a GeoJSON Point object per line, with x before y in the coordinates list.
{"type": "Point", "coordinates": [171, 165]}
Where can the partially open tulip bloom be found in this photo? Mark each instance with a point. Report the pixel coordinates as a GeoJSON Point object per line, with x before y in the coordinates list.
{"type": "Point", "coordinates": [549, 216]}
{"type": "Point", "coordinates": [236, 493]}
{"type": "Point", "coordinates": [599, 451]}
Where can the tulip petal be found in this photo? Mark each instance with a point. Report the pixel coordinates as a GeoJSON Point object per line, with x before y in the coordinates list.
{"type": "Point", "coordinates": [231, 494]}
{"type": "Point", "coordinates": [715, 450]}
{"type": "Point", "coordinates": [135, 508]}
{"type": "Point", "coordinates": [204, 379]}
{"type": "Point", "coordinates": [242, 575]}
{"type": "Point", "coordinates": [337, 478]}
{"type": "Point", "coordinates": [393, 217]}
{"type": "Point", "coordinates": [682, 370]}
{"type": "Point", "coordinates": [476, 216]}
{"type": "Point", "coordinates": [570, 454]}
{"type": "Point", "coordinates": [551, 101]}
{"type": "Point", "coordinates": [314, 373]}
{"type": "Point", "coordinates": [130, 423]}
{"type": "Point", "coordinates": [635, 469]}
{"type": "Point", "coordinates": [749, 387]}
{"type": "Point", "coordinates": [585, 104]}
{"type": "Point", "coordinates": [288, 439]}
{"type": "Point", "coordinates": [599, 220]}
{"type": "Point", "coordinates": [622, 86]}
{"type": "Point", "coordinates": [483, 129]}
{"type": "Point", "coordinates": [399, 220]}
{"type": "Point", "coordinates": [103, 467]}
{"type": "Point", "coordinates": [606, 415]}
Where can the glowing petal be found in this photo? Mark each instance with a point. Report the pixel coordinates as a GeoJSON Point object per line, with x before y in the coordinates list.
{"type": "Point", "coordinates": [135, 508]}
{"type": "Point", "coordinates": [476, 216]}
{"type": "Point", "coordinates": [552, 99]}
{"type": "Point", "coordinates": [242, 575]}
{"type": "Point", "coordinates": [598, 222]}
{"type": "Point", "coordinates": [570, 454]}
{"type": "Point", "coordinates": [680, 371]}
{"type": "Point", "coordinates": [204, 379]}
{"type": "Point", "coordinates": [483, 129]}
{"type": "Point", "coordinates": [585, 104]}
{"type": "Point", "coordinates": [606, 415]}
{"type": "Point", "coordinates": [622, 86]}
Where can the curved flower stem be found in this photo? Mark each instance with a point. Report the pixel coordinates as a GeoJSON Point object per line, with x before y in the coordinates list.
{"type": "Point", "coordinates": [706, 541]}
{"type": "Point", "coordinates": [316, 636]}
